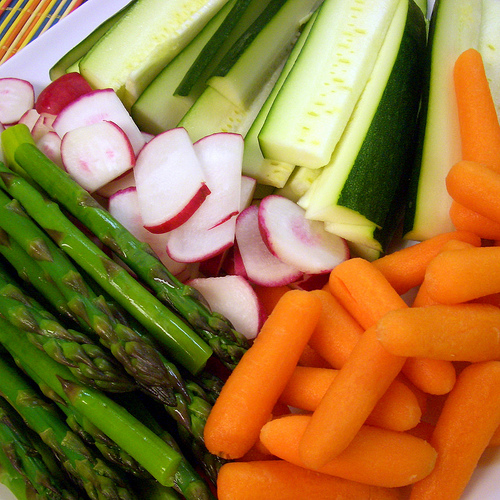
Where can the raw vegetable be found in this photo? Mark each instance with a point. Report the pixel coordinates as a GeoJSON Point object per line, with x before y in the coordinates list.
{"type": "Point", "coordinates": [253, 388]}
{"type": "Point", "coordinates": [18, 96]}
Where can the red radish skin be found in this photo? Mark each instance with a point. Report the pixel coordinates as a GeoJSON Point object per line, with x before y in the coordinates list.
{"type": "Point", "coordinates": [96, 154]}
{"type": "Point", "coordinates": [29, 118]}
{"type": "Point", "coordinates": [16, 97]}
{"type": "Point", "coordinates": [262, 267]}
{"type": "Point", "coordinates": [299, 242]}
{"type": "Point", "coordinates": [123, 181]}
{"type": "Point", "coordinates": [59, 93]}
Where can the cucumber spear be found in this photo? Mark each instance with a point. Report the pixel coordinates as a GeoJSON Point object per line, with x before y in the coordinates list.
{"type": "Point", "coordinates": [228, 344]}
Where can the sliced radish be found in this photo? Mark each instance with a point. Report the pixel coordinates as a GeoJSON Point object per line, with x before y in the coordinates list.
{"type": "Point", "coordinates": [124, 181]}
{"type": "Point", "coordinates": [59, 93]}
{"type": "Point", "coordinates": [124, 207]}
{"type": "Point", "coordinates": [262, 267]}
{"type": "Point", "coordinates": [248, 185]}
{"type": "Point", "coordinates": [96, 106]}
{"type": "Point", "coordinates": [16, 97]}
{"type": "Point", "coordinates": [95, 154]}
{"type": "Point", "coordinates": [42, 126]}
{"type": "Point", "coordinates": [233, 297]}
{"type": "Point", "coordinates": [50, 145]}
{"type": "Point", "coordinates": [299, 242]}
{"type": "Point", "coordinates": [311, 281]}
{"type": "Point", "coordinates": [29, 118]}
{"type": "Point", "coordinates": [170, 181]}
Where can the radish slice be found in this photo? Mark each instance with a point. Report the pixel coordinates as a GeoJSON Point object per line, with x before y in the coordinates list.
{"type": "Point", "coordinates": [59, 93]}
{"type": "Point", "coordinates": [248, 185]}
{"type": "Point", "coordinates": [124, 181]}
{"type": "Point", "coordinates": [50, 145]}
{"type": "Point", "coordinates": [299, 242]}
{"type": "Point", "coordinates": [97, 106]}
{"type": "Point", "coordinates": [42, 126]}
{"type": "Point", "coordinates": [233, 297]}
{"type": "Point", "coordinates": [30, 118]}
{"type": "Point", "coordinates": [170, 181]}
{"type": "Point", "coordinates": [262, 267]}
{"type": "Point", "coordinates": [96, 154]}
{"type": "Point", "coordinates": [124, 207]}
{"type": "Point", "coordinates": [16, 97]}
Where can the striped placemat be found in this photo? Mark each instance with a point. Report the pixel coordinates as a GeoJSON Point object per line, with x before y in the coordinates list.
{"type": "Point", "coordinates": [21, 21]}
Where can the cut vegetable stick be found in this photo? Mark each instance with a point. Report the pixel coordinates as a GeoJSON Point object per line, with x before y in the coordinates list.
{"type": "Point", "coordinates": [336, 333]}
{"type": "Point", "coordinates": [467, 220]}
{"type": "Point", "coordinates": [253, 388]}
{"type": "Point", "coordinates": [398, 409]}
{"type": "Point", "coordinates": [364, 291]}
{"type": "Point", "coordinates": [375, 456]}
{"type": "Point", "coordinates": [280, 480]}
{"type": "Point", "coordinates": [495, 439]}
{"type": "Point", "coordinates": [351, 397]}
{"type": "Point", "coordinates": [468, 420]}
{"type": "Point", "coordinates": [270, 295]}
{"type": "Point", "coordinates": [405, 268]}
{"type": "Point", "coordinates": [310, 357]}
{"type": "Point", "coordinates": [432, 376]}
{"type": "Point", "coordinates": [475, 186]}
{"type": "Point", "coordinates": [465, 332]}
{"type": "Point", "coordinates": [457, 276]}
{"type": "Point", "coordinates": [477, 116]}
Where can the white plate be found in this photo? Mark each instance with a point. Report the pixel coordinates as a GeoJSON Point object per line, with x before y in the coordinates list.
{"type": "Point", "coordinates": [33, 64]}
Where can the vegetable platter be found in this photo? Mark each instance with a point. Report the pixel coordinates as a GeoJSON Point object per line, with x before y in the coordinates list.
{"type": "Point", "coordinates": [33, 64]}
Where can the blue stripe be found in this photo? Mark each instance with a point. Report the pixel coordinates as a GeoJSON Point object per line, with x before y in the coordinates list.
{"type": "Point", "coordinates": [48, 18]}
{"type": "Point", "coordinates": [17, 7]}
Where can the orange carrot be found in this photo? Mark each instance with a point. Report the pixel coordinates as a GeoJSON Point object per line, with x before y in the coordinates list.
{"type": "Point", "coordinates": [465, 332]}
{"type": "Point", "coordinates": [336, 333]}
{"type": "Point", "coordinates": [495, 439]}
{"type": "Point", "coordinates": [280, 480]}
{"type": "Point", "coordinates": [479, 126]}
{"type": "Point", "coordinates": [270, 295]}
{"type": "Point", "coordinates": [253, 388]}
{"type": "Point", "coordinates": [475, 186]}
{"type": "Point", "coordinates": [398, 409]}
{"type": "Point", "coordinates": [405, 268]}
{"type": "Point", "coordinates": [423, 430]}
{"type": "Point", "coordinates": [468, 420]}
{"type": "Point", "coordinates": [456, 276]}
{"type": "Point", "coordinates": [310, 357]}
{"type": "Point", "coordinates": [351, 397]}
{"type": "Point", "coordinates": [467, 220]}
{"type": "Point", "coordinates": [433, 376]}
{"type": "Point", "coordinates": [375, 456]}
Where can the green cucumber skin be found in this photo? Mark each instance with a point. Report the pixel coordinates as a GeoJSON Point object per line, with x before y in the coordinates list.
{"type": "Point", "coordinates": [78, 51]}
{"type": "Point", "coordinates": [392, 150]}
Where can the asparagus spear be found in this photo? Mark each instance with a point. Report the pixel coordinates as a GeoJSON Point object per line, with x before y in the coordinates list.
{"type": "Point", "coordinates": [228, 344]}
{"type": "Point", "coordinates": [89, 472]}
{"type": "Point", "coordinates": [87, 361]}
{"type": "Point", "coordinates": [17, 445]}
{"type": "Point", "coordinates": [151, 452]}
{"type": "Point", "coordinates": [183, 345]}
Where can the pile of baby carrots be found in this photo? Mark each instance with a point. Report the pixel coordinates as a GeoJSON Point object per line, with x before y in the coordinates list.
{"type": "Point", "coordinates": [359, 365]}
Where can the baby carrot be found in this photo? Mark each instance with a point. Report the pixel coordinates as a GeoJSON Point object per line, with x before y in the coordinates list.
{"type": "Point", "coordinates": [281, 480]}
{"type": "Point", "coordinates": [456, 276]}
{"type": "Point", "coordinates": [475, 186]}
{"type": "Point", "coordinates": [310, 357]}
{"type": "Point", "coordinates": [270, 295]}
{"type": "Point", "coordinates": [433, 376]}
{"type": "Point", "coordinates": [253, 388]}
{"type": "Point", "coordinates": [351, 397]}
{"type": "Point", "coordinates": [467, 220]}
{"type": "Point", "coordinates": [398, 409]}
{"type": "Point", "coordinates": [464, 332]}
{"type": "Point", "coordinates": [405, 268]}
{"type": "Point", "coordinates": [479, 126]}
{"type": "Point", "coordinates": [468, 420]}
{"type": "Point", "coordinates": [336, 333]}
{"type": "Point", "coordinates": [375, 456]}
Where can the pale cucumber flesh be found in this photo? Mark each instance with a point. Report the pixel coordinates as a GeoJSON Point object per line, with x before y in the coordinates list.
{"type": "Point", "coordinates": [313, 107]}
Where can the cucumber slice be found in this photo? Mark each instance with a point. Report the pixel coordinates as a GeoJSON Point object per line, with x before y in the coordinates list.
{"type": "Point", "coordinates": [360, 185]}
{"type": "Point", "coordinates": [67, 62]}
{"type": "Point", "coordinates": [299, 183]}
{"type": "Point", "coordinates": [143, 42]}
{"type": "Point", "coordinates": [456, 25]}
{"type": "Point", "coordinates": [313, 107]}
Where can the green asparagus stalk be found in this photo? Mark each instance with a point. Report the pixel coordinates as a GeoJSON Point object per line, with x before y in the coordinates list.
{"type": "Point", "coordinates": [89, 472]}
{"type": "Point", "coordinates": [151, 452]}
{"type": "Point", "coordinates": [136, 353]}
{"type": "Point", "coordinates": [228, 344]}
{"type": "Point", "coordinates": [86, 360]}
{"type": "Point", "coordinates": [182, 343]}
{"type": "Point", "coordinates": [17, 445]}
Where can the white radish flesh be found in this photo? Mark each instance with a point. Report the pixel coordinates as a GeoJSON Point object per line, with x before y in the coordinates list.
{"type": "Point", "coordinates": [248, 185]}
{"type": "Point", "coordinates": [16, 97]}
{"type": "Point", "coordinates": [96, 154]}
{"type": "Point", "coordinates": [261, 266]}
{"type": "Point", "coordinates": [50, 145]}
{"type": "Point", "coordinates": [299, 242]}
{"type": "Point", "coordinates": [170, 181]}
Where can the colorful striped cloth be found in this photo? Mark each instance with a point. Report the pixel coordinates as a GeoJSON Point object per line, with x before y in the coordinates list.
{"type": "Point", "coordinates": [21, 21]}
